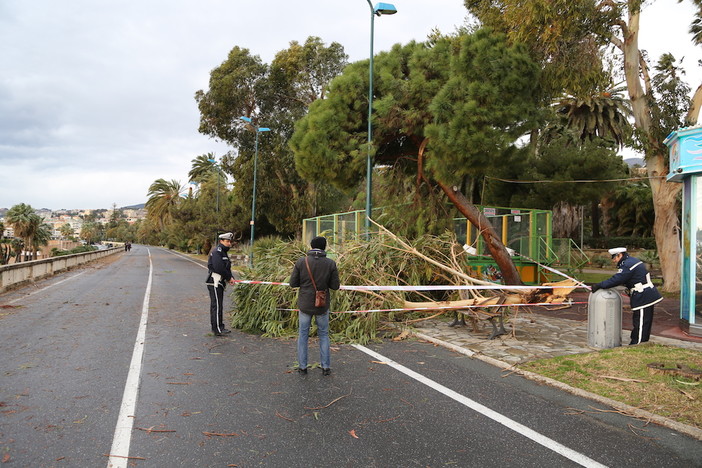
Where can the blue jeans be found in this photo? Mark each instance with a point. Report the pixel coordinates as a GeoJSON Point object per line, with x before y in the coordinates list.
{"type": "Point", "coordinates": [322, 322]}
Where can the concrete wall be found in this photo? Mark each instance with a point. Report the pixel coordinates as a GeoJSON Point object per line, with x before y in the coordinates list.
{"type": "Point", "coordinates": [17, 274]}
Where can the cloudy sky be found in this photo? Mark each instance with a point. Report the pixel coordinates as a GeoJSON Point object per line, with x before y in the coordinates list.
{"type": "Point", "coordinates": [96, 96]}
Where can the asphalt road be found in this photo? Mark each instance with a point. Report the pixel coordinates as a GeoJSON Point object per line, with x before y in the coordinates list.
{"type": "Point", "coordinates": [116, 358]}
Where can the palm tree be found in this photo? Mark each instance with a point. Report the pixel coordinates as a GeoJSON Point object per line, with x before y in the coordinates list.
{"type": "Point", "coordinates": [21, 217]}
{"type": "Point", "coordinates": [42, 234]}
{"type": "Point", "coordinates": [203, 168]}
{"type": "Point", "coordinates": [603, 115]}
{"type": "Point", "coordinates": [66, 231]}
{"type": "Point", "coordinates": [164, 198]}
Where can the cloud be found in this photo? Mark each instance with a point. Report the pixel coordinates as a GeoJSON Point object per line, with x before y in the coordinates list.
{"type": "Point", "coordinates": [97, 96]}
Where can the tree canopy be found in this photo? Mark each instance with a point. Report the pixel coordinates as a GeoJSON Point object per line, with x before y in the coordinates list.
{"type": "Point", "coordinates": [272, 96]}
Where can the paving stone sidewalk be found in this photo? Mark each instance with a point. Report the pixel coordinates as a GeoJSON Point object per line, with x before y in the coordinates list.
{"type": "Point", "coordinates": [530, 336]}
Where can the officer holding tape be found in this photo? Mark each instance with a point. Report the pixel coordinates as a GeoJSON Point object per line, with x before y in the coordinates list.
{"type": "Point", "coordinates": [219, 269]}
{"type": "Point", "coordinates": [642, 293]}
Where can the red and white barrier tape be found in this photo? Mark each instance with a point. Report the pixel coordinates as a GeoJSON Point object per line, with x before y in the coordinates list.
{"type": "Point", "coordinates": [475, 306]}
{"type": "Point", "coordinates": [448, 287]}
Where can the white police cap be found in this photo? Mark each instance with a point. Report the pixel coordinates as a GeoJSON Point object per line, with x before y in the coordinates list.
{"type": "Point", "coordinates": [616, 251]}
{"type": "Point", "coordinates": [227, 236]}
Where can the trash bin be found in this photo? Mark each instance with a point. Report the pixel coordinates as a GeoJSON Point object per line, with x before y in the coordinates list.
{"type": "Point", "coordinates": [604, 319]}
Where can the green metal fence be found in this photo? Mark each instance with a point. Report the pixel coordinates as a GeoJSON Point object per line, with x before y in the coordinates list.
{"type": "Point", "coordinates": [522, 230]}
{"type": "Point", "coordinates": [526, 231]}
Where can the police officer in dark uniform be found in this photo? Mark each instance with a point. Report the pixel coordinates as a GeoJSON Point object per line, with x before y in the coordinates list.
{"type": "Point", "coordinates": [219, 274]}
{"type": "Point", "coordinates": [642, 293]}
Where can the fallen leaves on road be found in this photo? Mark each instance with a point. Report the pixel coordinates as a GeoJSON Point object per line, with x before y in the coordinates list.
{"type": "Point", "coordinates": [401, 336]}
{"type": "Point", "coordinates": [220, 434]}
{"type": "Point", "coordinates": [353, 433]}
{"type": "Point", "coordinates": [151, 429]}
{"type": "Point", "coordinates": [284, 417]}
{"type": "Point", "coordinates": [328, 405]}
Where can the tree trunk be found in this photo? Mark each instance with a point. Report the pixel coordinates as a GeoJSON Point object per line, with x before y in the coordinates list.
{"type": "Point", "coordinates": [666, 224]}
{"type": "Point", "coordinates": [492, 240]}
{"type": "Point", "coordinates": [666, 227]}
{"type": "Point", "coordinates": [566, 219]}
{"type": "Point", "coordinates": [595, 214]}
{"type": "Point", "coordinates": [694, 112]}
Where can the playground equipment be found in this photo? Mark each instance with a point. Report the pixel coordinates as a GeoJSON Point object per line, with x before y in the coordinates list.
{"type": "Point", "coordinates": [527, 232]}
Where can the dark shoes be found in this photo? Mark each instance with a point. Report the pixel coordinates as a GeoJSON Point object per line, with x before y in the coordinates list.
{"type": "Point", "coordinates": [325, 371]}
{"type": "Point", "coordinates": [225, 331]}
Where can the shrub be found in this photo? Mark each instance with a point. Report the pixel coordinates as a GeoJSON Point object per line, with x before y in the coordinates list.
{"type": "Point", "coordinates": [648, 243]}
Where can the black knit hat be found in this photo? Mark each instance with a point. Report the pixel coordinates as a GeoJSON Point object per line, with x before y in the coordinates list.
{"type": "Point", "coordinates": [319, 243]}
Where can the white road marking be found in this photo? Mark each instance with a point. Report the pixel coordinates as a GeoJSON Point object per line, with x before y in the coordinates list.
{"type": "Point", "coordinates": [541, 439]}
{"type": "Point", "coordinates": [125, 420]}
{"type": "Point", "coordinates": [188, 259]}
{"type": "Point", "coordinates": [45, 288]}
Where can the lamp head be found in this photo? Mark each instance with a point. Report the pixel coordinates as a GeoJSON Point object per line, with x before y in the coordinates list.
{"type": "Point", "coordinates": [384, 9]}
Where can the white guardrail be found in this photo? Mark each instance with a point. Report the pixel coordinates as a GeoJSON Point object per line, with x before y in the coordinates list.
{"type": "Point", "coordinates": [17, 274]}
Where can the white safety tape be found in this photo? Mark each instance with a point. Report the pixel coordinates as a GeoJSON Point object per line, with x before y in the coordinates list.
{"type": "Point", "coordinates": [461, 307]}
{"type": "Point", "coordinates": [447, 287]}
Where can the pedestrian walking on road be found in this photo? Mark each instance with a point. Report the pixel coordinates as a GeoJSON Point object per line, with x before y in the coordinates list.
{"type": "Point", "coordinates": [219, 273]}
{"type": "Point", "coordinates": [315, 275]}
{"type": "Point", "coordinates": [643, 295]}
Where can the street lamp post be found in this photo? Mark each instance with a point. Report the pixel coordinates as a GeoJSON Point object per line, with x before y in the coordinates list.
{"type": "Point", "coordinates": [379, 9]}
{"type": "Point", "coordinates": [257, 129]}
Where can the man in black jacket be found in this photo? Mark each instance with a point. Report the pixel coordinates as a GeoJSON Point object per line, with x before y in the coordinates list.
{"type": "Point", "coordinates": [219, 274]}
{"type": "Point", "coordinates": [312, 273]}
{"type": "Point", "coordinates": [643, 295]}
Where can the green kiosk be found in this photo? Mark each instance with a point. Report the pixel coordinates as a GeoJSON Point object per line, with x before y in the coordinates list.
{"type": "Point", "coordinates": [685, 147]}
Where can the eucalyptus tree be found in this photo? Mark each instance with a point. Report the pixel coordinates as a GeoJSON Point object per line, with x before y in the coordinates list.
{"type": "Point", "coordinates": [600, 27]}
{"type": "Point", "coordinates": [272, 96]}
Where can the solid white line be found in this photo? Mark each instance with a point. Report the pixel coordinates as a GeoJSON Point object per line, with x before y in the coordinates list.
{"type": "Point", "coordinates": [45, 288]}
{"type": "Point", "coordinates": [188, 259]}
{"type": "Point", "coordinates": [484, 410]}
{"type": "Point", "coordinates": [125, 420]}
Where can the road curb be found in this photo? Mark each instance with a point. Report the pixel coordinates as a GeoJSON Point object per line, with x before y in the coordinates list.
{"type": "Point", "coordinates": [631, 410]}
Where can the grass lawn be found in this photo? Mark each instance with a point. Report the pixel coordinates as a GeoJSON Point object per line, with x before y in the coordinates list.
{"type": "Point", "coordinates": [623, 374]}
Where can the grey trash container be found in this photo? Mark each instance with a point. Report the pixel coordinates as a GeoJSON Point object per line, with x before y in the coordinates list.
{"type": "Point", "coordinates": [604, 319]}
